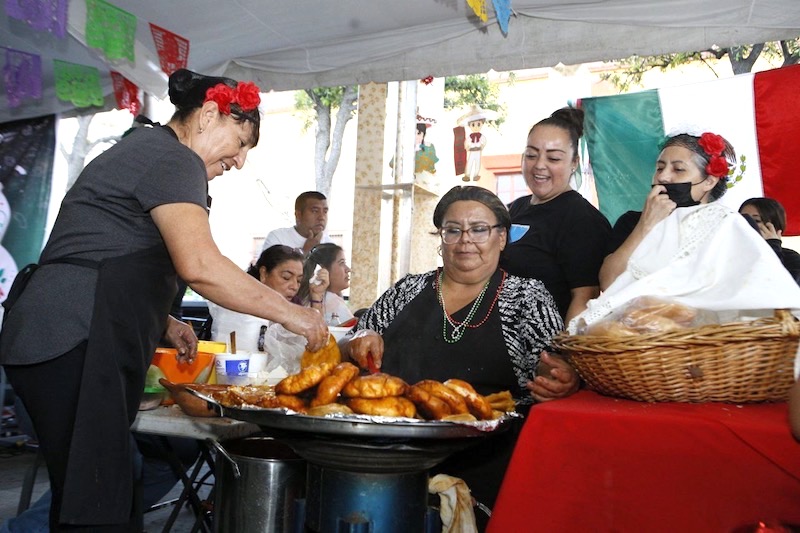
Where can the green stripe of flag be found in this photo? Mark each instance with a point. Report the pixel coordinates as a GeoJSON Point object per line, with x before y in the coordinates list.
{"type": "Point", "coordinates": [623, 133]}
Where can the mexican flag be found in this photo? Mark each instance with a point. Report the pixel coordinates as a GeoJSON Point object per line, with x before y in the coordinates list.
{"type": "Point", "coordinates": [759, 114]}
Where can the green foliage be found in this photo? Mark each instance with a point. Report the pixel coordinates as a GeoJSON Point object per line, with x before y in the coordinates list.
{"type": "Point", "coordinates": [306, 102]}
{"type": "Point", "coordinates": [633, 68]}
{"type": "Point", "coordinates": [742, 58]}
{"type": "Point", "coordinates": [464, 91]}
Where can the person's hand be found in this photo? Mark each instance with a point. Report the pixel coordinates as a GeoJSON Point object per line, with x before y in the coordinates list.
{"type": "Point", "coordinates": [317, 291]}
{"type": "Point", "coordinates": [310, 324]}
{"type": "Point", "coordinates": [182, 337]}
{"type": "Point", "coordinates": [555, 378]}
{"type": "Point", "coordinates": [768, 231]}
{"type": "Point", "coordinates": [657, 207]}
{"type": "Point", "coordinates": [363, 343]}
{"type": "Point", "coordinates": [312, 240]}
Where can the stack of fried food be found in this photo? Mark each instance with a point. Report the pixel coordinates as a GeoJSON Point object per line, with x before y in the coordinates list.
{"type": "Point", "coordinates": [326, 385]}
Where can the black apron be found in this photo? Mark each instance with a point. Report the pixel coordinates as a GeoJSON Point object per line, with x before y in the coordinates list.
{"type": "Point", "coordinates": [132, 300]}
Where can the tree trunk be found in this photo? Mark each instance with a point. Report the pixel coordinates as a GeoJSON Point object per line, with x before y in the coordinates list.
{"type": "Point", "coordinates": [80, 149]}
{"type": "Point", "coordinates": [328, 144]}
{"type": "Point", "coordinates": [741, 64]}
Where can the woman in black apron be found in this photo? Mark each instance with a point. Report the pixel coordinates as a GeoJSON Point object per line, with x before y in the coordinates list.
{"type": "Point", "coordinates": [472, 321]}
{"type": "Point", "coordinates": [77, 341]}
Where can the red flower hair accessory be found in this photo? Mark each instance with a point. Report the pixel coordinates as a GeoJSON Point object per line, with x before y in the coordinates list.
{"type": "Point", "coordinates": [245, 95]}
{"type": "Point", "coordinates": [713, 145]}
{"type": "Point", "coordinates": [718, 167]}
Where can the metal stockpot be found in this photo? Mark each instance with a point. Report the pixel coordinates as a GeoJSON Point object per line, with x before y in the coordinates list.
{"type": "Point", "coordinates": [258, 480]}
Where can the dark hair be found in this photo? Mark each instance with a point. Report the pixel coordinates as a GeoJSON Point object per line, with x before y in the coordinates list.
{"type": "Point", "coordinates": [475, 194]}
{"type": "Point", "coordinates": [422, 128]}
{"type": "Point", "coordinates": [272, 257]}
{"type": "Point", "coordinates": [303, 197]}
{"type": "Point", "coordinates": [701, 158]}
{"type": "Point", "coordinates": [323, 255]}
{"type": "Point", "coordinates": [770, 210]}
{"type": "Point", "coordinates": [569, 119]}
{"type": "Point", "coordinates": [187, 91]}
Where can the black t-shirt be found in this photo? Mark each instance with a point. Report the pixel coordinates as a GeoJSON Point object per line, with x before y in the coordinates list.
{"type": "Point", "coordinates": [563, 244]}
{"type": "Point", "coordinates": [622, 229]}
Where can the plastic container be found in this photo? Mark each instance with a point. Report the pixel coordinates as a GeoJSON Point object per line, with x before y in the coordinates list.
{"type": "Point", "coordinates": [232, 364]}
{"type": "Point", "coordinates": [233, 368]}
{"type": "Point", "coordinates": [211, 347]}
{"type": "Point", "coordinates": [180, 372]}
{"type": "Point", "coordinates": [338, 332]}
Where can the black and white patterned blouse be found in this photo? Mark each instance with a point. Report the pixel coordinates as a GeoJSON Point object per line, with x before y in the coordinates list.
{"type": "Point", "coordinates": [528, 319]}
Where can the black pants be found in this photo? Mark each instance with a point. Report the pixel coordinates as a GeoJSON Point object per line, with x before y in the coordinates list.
{"type": "Point", "coordinates": [49, 391]}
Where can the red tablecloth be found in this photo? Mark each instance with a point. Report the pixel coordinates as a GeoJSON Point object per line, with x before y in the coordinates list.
{"type": "Point", "coordinates": [593, 463]}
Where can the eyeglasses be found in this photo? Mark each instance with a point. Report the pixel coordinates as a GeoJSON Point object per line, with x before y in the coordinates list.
{"type": "Point", "coordinates": [476, 234]}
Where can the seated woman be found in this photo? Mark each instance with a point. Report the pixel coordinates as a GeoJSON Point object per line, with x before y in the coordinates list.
{"type": "Point", "coordinates": [469, 320]}
{"type": "Point", "coordinates": [325, 276]}
{"type": "Point", "coordinates": [769, 218]}
{"type": "Point", "coordinates": [686, 246]}
{"type": "Point", "coordinates": [278, 267]}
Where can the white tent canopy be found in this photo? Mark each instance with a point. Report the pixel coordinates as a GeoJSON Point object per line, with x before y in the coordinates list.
{"type": "Point", "coordinates": [311, 43]}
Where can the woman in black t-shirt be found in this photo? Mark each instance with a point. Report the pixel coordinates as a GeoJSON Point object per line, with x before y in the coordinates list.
{"type": "Point", "coordinates": [557, 236]}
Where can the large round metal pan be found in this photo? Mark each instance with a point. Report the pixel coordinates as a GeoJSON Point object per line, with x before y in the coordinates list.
{"type": "Point", "coordinates": [362, 426]}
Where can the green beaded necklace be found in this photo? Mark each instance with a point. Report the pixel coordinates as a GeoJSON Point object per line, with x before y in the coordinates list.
{"type": "Point", "coordinates": [459, 328]}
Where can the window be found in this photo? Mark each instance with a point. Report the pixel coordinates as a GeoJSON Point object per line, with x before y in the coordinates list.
{"type": "Point", "coordinates": [510, 187]}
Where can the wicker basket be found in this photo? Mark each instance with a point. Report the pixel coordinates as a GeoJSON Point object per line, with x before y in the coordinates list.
{"type": "Point", "coordinates": [738, 362]}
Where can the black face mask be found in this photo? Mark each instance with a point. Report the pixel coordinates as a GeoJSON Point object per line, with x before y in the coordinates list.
{"type": "Point", "coordinates": [680, 193]}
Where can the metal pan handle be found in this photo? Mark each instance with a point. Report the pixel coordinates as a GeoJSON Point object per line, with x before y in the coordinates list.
{"type": "Point", "coordinates": [211, 401]}
{"type": "Point", "coordinates": [217, 446]}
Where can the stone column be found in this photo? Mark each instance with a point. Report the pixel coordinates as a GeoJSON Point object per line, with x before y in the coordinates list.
{"type": "Point", "coordinates": [365, 255]}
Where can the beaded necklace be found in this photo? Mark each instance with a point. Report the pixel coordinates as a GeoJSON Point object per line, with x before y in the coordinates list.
{"type": "Point", "coordinates": [459, 328]}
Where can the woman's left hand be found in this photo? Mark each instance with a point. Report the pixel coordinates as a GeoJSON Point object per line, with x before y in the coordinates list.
{"type": "Point", "coordinates": [182, 337]}
{"type": "Point", "coordinates": [768, 231]}
{"type": "Point", "coordinates": [555, 379]}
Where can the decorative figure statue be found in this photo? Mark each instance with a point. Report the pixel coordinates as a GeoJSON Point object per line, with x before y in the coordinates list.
{"type": "Point", "coordinates": [425, 158]}
{"type": "Point", "coordinates": [474, 140]}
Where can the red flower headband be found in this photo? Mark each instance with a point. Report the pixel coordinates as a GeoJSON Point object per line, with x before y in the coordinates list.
{"type": "Point", "coordinates": [714, 145]}
{"type": "Point", "coordinates": [246, 95]}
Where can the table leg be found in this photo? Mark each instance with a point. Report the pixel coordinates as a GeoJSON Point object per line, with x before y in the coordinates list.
{"type": "Point", "coordinates": [189, 494]}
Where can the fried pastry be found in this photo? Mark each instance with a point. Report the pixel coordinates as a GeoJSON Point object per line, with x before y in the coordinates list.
{"type": "Point", "coordinates": [388, 406]}
{"type": "Point", "coordinates": [307, 378]}
{"type": "Point", "coordinates": [501, 401]}
{"type": "Point", "coordinates": [330, 387]}
{"type": "Point", "coordinates": [430, 406]}
{"type": "Point", "coordinates": [375, 386]}
{"type": "Point", "coordinates": [329, 354]}
{"type": "Point", "coordinates": [476, 403]}
{"type": "Point", "coordinates": [454, 400]}
{"type": "Point", "coordinates": [328, 409]}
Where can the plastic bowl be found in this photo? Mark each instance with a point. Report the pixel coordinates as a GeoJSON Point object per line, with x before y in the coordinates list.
{"type": "Point", "coordinates": [180, 372]}
{"type": "Point", "coordinates": [211, 347]}
{"type": "Point", "coordinates": [152, 399]}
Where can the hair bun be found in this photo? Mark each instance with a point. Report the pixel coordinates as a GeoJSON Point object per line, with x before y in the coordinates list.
{"type": "Point", "coordinates": [187, 89]}
{"type": "Point", "coordinates": [572, 116]}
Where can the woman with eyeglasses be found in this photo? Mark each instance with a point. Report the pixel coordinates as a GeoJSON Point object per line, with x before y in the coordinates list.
{"type": "Point", "coordinates": [558, 236]}
{"type": "Point", "coordinates": [280, 268]}
{"type": "Point", "coordinates": [469, 320]}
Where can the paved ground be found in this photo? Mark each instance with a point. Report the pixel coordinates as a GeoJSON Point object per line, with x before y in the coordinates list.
{"type": "Point", "coordinates": [16, 459]}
